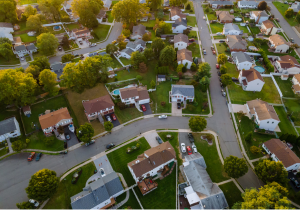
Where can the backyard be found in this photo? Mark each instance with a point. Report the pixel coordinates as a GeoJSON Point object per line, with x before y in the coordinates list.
{"type": "Point", "coordinates": [174, 142]}
{"type": "Point", "coordinates": [101, 31]}
{"type": "Point", "coordinates": [222, 48]}
{"type": "Point", "coordinates": [232, 70]}
{"type": "Point", "coordinates": [125, 61]}
{"type": "Point", "coordinates": [285, 87]}
{"type": "Point", "coordinates": [293, 106]}
{"type": "Point", "coordinates": [232, 193]}
{"type": "Point", "coordinates": [161, 95]}
{"type": "Point", "coordinates": [243, 28]}
{"type": "Point", "coordinates": [72, 26]}
{"type": "Point", "coordinates": [195, 50]}
{"type": "Point", "coordinates": [116, 63]}
{"type": "Point", "coordinates": [132, 203]}
{"type": "Point", "coordinates": [255, 30]}
{"type": "Point", "coordinates": [216, 27]}
{"type": "Point", "coordinates": [285, 125]}
{"type": "Point", "coordinates": [282, 8]}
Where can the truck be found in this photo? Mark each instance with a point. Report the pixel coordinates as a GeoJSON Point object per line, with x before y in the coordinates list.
{"type": "Point", "coordinates": [191, 138]}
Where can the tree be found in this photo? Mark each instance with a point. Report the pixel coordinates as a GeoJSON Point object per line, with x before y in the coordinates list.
{"type": "Point", "coordinates": [142, 68]}
{"type": "Point", "coordinates": [121, 38]}
{"type": "Point", "coordinates": [47, 43]}
{"type": "Point", "coordinates": [262, 5]}
{"type": "Point", "coordinates": [197, 123]}
{"type": "Point", "coordinates": [27, 141]}
{"type": "Point", "coordinates": [126, 32]}
{"type": "Point", "coordinates": [175, 3]}
{"type": "Point", "coordinates": [122, 45]}
{"type": "Point", "coordinates": [25, 205]}
{"type": "Point", "coordinates": [148, 53]}
{"type": "Point", "coordinates": [108, 126]}
{"type": "Point", "coordinates": [137, 58]}
{"type": "Point", "coordinates": [298, 17]}
{"type": "Point", "coordinates": [167, 55]}
{"type": "Point", "coordinates": [17, 145]}
{"type": "Point", "coordinates": [85, 132]}
{"type": "Point", "coordinates": [222, 58]}
{"type": "Point", "coordinates": [271, 171]}
{"type": "Point", "coordinates": [204, 82]}
{"type": "Point", "coordinates": [226, 79]}
{"type": "Point", "coordinates": [29, 10]}
{"type": "Point", "coordinates": [179, 68]}
{"type": "Point", "coordinates": [48, 79]}
{"type": "Point", "coordinates": [154, 4]}
{"type": "Point", "coordinates": [42, 62]}
{"type": "Point", "coordinates": [139, 77]}
{"type": "Point", "coordinates": [223, 69]}
{"type": "Point", "coordinates": [166, 28]}
{"type": "Point", "coordinates": [254, 149]}
{"type": "Point", "coordinates": [193, 67]}
{"type": "Point", "coordinates": [289, 13]}
{"type": "Point", "coordinates": [147, 37]}
{"type": "Point", "coordinates": [203, 70]}
{"type": "Point", "coordinates": [249, 137]}
{"type": "Point", "coordinates": [188, 7]}
{"type": "Point", "coordinates": [294, 46]}
{"type": "Point", "coordinates": [6, 51]}
{"type": "Point", "coordinates": [258, 42]}
{"type": "Point", "coordinates": [51, 8]}
{"type": "Point", "coordinates": [111, 48]}
{"type": "Point", "coordinates": [186, 31]}
{"type": "Point", "coordinates": [42, 185]}
{"type": "Point", "coordinates": [49, 140]}
{"type": "Point", "coordinates": [35, 22]}
{"type": "Point", "coordinates": [129, 11]}
{"type": "Point", "coordinates": [34, 70]}
{"type": "Point", "coordinates": [67, 57]}
{"type": "Point", "coordinates": [4, 40]}
{"type": "Point", "coordinates": [152, 84]}
{"type": "Point", "coordinates": [8, 11]}
{"type": "Point", "coordinates": [235, 167]}
{"type": "Point", "coordinates": [157, 45]}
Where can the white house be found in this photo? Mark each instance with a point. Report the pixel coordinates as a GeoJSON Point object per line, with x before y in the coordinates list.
{"type": "Point", "coordinates": [279, 151]}
{"type": "Point", "coordinates": [179, 26]}
{"type": "Point", "coordinates": [182, 93]}
{"type": "Point", "coordinates": [251, 80]}
{"type": "Point", "coordinates": [134, 95]}
{"type": "Point", "coordinates": [31, 48]}
{"type": "Point", "coordinates": [259, 16]}
{"type": "Point", "coordinates": [138, 31]}
{"type": "Point", "coordinates": [9, 129]}
{"type": "Point", "coordinates": [166, 3]}
{"type": "Point", "coordinates": [220, 4]}
{"type": "Point", "coordinates": [81, 33]}
{"type": "Point", "coordinates": [231, 29]}
{"type": "Point", "coordinates": [268, 28]}
{"type": "Point", "coordinates": [242, 60]}
{"type": "Point", "coordinates": [296, 84]}
{"type": "Point", "coordinates": [295, 6]}
{"type": "Point", "coordinates": [176, 13]}
{"type": "Point", "coordinates": [185, 57]}
{"type": "Point", "coordinates": [181, 41]}
{"type": "Point", "coordinates": [101, 15]}
{"type": "Point", "coordinates": [126, 53]}
{"type": "Point", "coordinates": [6, 30]}
{"type": "Point", "coordinates": [287, 64]}
{"type": "Point", "coordinates": [138, 44]}
{"type": "Point", "coordinates": [247, 4]}
{"type": "Point", "coordinates": [264, 114]}
{"type": "Point", "coordinates": [20, 51]}
{"type": "Point", "coordinates": [278, 44]}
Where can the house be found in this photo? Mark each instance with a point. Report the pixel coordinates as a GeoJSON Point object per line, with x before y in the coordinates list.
{"type": "Point", "coordinates": [264, 114]}
{"type": "Point", "coordinates": [6, 29]}
{"type": "Point", "coordinates": [279, 151]}
{"type": "Point", "coordinates": [185, 57]}
{"type": "Point", "coordinates": [224, 16]}
{"type": "Point", "coordinates": [278, 43]}
{"type": "Point", "coordinates": [66, 6]}
{"type": "Point", "coordinates": [248, 4]}
{"type": "Point", "coordinates": [20, 50]}
{"type": "Point", "coordinates": [138, 44]}
{"type": "Point", "coordinates": [57, 68]}
{"type": "Point", "coordinates": [135, 95]}
{"type": "Point", "coordinates": [101, 15]}
{"type": "Point", "coordinates": [295, 6]}
{"type": "Point", "coordinates": [81, 33]}
{"type": "Point", "coordinates": [259, 16]}
{"type": "Point", "coordinates": [60, 37]}
{"type": "Point", "coordinates": [182, 93]}
{"type": "Point", "coordinates": [107, 4]}
{"type": "Point", "coordinates": [268, 28]}
{"type": "Point", "coordinates": [236, 43]}
{"type": "Point", "coordinates": [26, 110]}
{"type": "Point", "coordinates": [152, 161]}
{"type": "Point", "coordinates": [242, 60]}
{"type": "Point", "coordinates": [287, 64]}
{"type": "Point", "coordinates": [201, 192]}
{"type": "Point", "coordinates": [161, 78]}
{"type": "Point", "coordinates": [296, 84]}
{"type": "Point", "coordinates": [176, 13]}
{"type": "Point", "coordinates": [231, 29]}
{"type": "Point", "coordinates": [220, 4]}
{"type": "Point", "coordinates": [166, 3]}
{"type": "Point", "coordinates": [51, 121]}
{"type": "Point", "coordinates": [251, 80]}
{"type": "Point", "coordinates": [179, 26]}
{"type": "Point", "coordinates": [181, 41]}
{"type": "Point", "coordinates": [31, 48]}
{"type": "Point", "coordinates": [138, 31]}
{"type": "Point", "coordinates": [98, 107]}
{"type": "Point", "coordinates": [17, 41]}
{"type": "Point", "coordinates": [9, 129]}
{"type": "Point", "coordinates": [126, 53]}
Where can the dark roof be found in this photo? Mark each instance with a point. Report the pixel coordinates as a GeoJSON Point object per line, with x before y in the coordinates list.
{"type": "Point", "coordinates": [98, 104]}
{"type": "Point", "coordinates": [186, 90]}
{"type": "Point", "coordinates": [26, 108]}
{"type": "Point", "coordinates": [20, 47]}
{"type": "Point", "coordinates": [179, 21]}
{"type": "Point", "coordinates": [177, 11]}
{"type": "Point", "coordinates": [101, 13]}
{"type": "Point", "coordinates": [181, 38]}
{"type": "Point", "coordinates": [7, 126]}
{"type": "Point", "coordinates": [139, 30]}
{"type": "Point", "coordinates": [127, 51]}
{"type": "Point", "coordinates": [161, 76]}
{"type": "Point", "coordinates": [57, 68]}
{"type": "Point", "coordinates": [6, 25]}
{"type": "Point", "coordinates": [221, 2]}
{"type": "Point", "coordinates": [31, 47]}
{"type": "Point", "coordinates": [241, 56]}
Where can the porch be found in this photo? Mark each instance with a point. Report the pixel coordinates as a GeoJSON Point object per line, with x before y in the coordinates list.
{"type": "Point", "coordinates": [147, 185]}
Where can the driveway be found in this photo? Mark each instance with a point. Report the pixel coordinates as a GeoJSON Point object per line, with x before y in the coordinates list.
{"type": "Point", "coordinates": [103, 162]}
{"type": "Point", "coordinates": [114, 122]}
{"type": "Point", "coordinates": [290, 175]}
{"type": "Point", "coordinates": [73, 139]}
{"type": "Point", "coordinates": [150, 137]}
{"type": "Point", "coordinates": [175, 111]}
{"type": "Point", "coordinates": [238, 107]}
{"type": "Point", "coordinates": [148, 109]}
{"type": "Point", "coordinates": [183, 138]}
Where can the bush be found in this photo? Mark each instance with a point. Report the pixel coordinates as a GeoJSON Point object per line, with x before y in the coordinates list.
{"type": "Point", "coordinates": [249, 137]}
{"type": "Point", "coordinates": [254, 149]}
{"type": "Point", "coordinates": [188, 7]}
{"type": "Point", "coordinates": [27, 141]}
{"type": "Point", "coordinates": [162, 103]}
{"type": "Point", "coordinates": [121, 105]}
{"type": "Point", "coordinates": [195, 102]}
{"type": "Point", "coordinates": [139, 77]}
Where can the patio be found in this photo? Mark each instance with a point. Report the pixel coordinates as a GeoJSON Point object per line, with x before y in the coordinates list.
{"type": "Point", "coordinates": [147, 185]}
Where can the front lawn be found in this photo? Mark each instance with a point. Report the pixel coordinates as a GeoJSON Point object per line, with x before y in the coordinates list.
{"type": "Point", "coordinates": [219, 37]}
{"type": "Point", "coordinates": [3, 152]}
{"type": "Point", "coordinates": [222, 47]}
{"type": "Point", "coordinates": [37, 142]}
{"type": "Point", "coordinates": [192, 34]}
{"type": "Point", "coordinates": [125, 61]}
{"type": "Point", "coordinates": [285, 125]}
{"type": "Point", "coordinates": [268, 93]}
{"type": "Point", "coordinates": [232, 70]}
{"type": "Point", "coordinates": [285, 87]}
{"type": "Point", "coordinates": [110, 18]}
{"type": "Point", "coordinates": [101, 31]}
{"type": "Point", "coordinates": [282, 8]}
{"type": "Point", "coordinates": [216, 27]}
{"type": "Point", "coordinates": [161, 95]}
{"type": "Point", "coordinates": [26, 38]}
{"type": "Point", "coordinates": [214, 165]}
{"type": "Point", "coordinates": [211, 15]}
{"type": "Point", "coordinates": [127, 114]}
{"type": "Point", "coordinates": [191, 21]}
{"type": "Point", "coordinates": [119, 159]}
{"type": "Point", "coordinates": [293, 106]}
{"type": "Point", "coordinates": [232, 193]}
{"type": "Point", "coordinates": [192, 8]}
{"type": "Point", "coordinates": [195, 50]}
{"type": "Point", "coordinates": [13, 60]}
{"type": "Point", "coordinates": [174, 142]}
{"type": "Point", "coordinates": [149, 23]}
{"type": "Point", "coordinates": [61, 199]}
{"type": "Point", "coordinates": [132, 203]}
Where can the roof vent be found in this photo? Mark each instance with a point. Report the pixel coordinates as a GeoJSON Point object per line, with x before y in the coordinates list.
{"type": "Point", "coordinates": [137, 161]}
{"type": "Point", "coordinates": [153, 162]}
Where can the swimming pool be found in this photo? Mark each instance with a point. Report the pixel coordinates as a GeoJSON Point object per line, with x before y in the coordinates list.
{"type": "Point", "coordinates": [260, 69]}
{"type": "Point", "coordinates": [116, 92]}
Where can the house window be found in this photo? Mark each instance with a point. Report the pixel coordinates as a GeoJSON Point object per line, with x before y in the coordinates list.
{"type": "Point", "coordinates": [132, 98]}
{"type": "Point", "coordinates": [268, 122]}
{"type": "Point", "coordinates": [272, 122]}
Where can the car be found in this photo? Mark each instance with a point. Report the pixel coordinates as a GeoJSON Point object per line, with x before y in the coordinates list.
{"type": "Point", "coordinates": [191, 137]}
{"type": "Point", "coordinates": [34, 202]}
{"type": "Point", "coordinates": [292, 40]}
{"type": "Point", "coordinates": [295, 182]}
{"type": "Point", "coordinates": [38, 156]}
{"type": "Point", "coordinates": [189, 150]}
{"type": "Point", "coordinates": [223, 93]}
{"type": "Point", "coordinates": [183, 150]}
{"type": "Point", "coordinates": [80, 42]}
{"type": "Point", "coordinates": [277, 19]}
{"type": "Point", "coordinates": [143, 108]}
{"type": "Point", "coordinates": [178, 105]}
{"type": "Point", "coordinates": [76, 55]}
{"type": "Point", "coordinates": [158, 139]}
{"type": "Point", "coordinates": [219, 73]}
{"type": "Point", "coordinates": [191, 40]}
{"type": "Point", "coordinates": [221, 41]}
{"type": "Point", "coordinates": [162, 117]}
{"type": "Point", "coordinates": [31, 156]}
{"type": "Point", "coordinates": [285, 2]}
{"type": "Point", "coordinates": [91, 142]}
{"type": "Point", "coordinates": [59, 48]}
{"type": "Point", "coordinates": [204, 51]}
{"type": "Point", "coordinates": [67, 136]}
{"type": "Point", "coordinates": [110, 145]}
{"type": "Point", "coordinates": [204, 18]}
{"type": "Point", "coordinates": [113, 116]}
{"type": "Point", "coordinates": [108, 118]}
{"type": "Point", "coordinates": [218, 33]}
{"type": "Point", "coordinates": [126, 40]}
{"type": "Point", "coordinates": [217, 66]}
{"type": "Point", "coordinates": [194, 148]}
{"type": "Point", "coordinates": [93, 45]}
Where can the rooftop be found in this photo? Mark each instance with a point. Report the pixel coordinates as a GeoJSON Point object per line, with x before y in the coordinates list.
{"type": "Point", "coordinates": [241, 57]}
{"type": "Point", "coordinates": [269, 24]}
{"type": "Point", "coordinates": [7, 125]}
{"type": "Point", "coordinates": [98, 104]}
{"type": "Point", "coordinates": [139, 30]}
{"type": "Point", "coordinates": [263, 110]}
{"type": "Point", "coordinates": [186, 90]}
{"type": "Point", "coordinates": [236, 42]}
{"type": "Point", "coordinates": [50, 119]}
{"type": "Point", "coordinates": [184, 54]}
{"type": "Point", "coordinates": [277, 40]}
{"type": "Point", "coordinates": [181, 38]}
{"type": "Point", "coordinates": [252, 75]}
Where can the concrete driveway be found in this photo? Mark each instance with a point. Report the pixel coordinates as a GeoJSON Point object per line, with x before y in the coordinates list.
{"type": "Point", "coordinates": [238, 107]}
{"type": "Point", "coordinates": [73, 137]}
{"type": "Point", "coordinates": [183, 138]}
{"type": "Point", "coordinates": [175, 111]}
{"type": "Point", "coordinates": [150, 137]}
{"type": "Point", "coordinates": [148, 109]}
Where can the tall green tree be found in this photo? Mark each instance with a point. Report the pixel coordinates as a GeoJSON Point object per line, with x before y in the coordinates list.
{"type": "Point", "coordinates": [108, 126]}
{"type": "Point", "coordinates": [289, 13]}
{"type": "Point", "coordinates": [148, 53]}
{"type": "Point", "coordinates": [197, 123]}
{"type": "Point", "coordinates": [157, 45]}
{"type": "Point", "coordinates": [42, 62]}
{"type": "Point", "coordinates": [4, 40]}
{"type": "Point", "coordinates": [67, 58]}
{"type": "Point", "coordinates": [262, 5]}
{"type": "Point", "coordinates": [167, 55]}
{"type": "Point", "coordinates": [298, 17]}
{"type": "Point", "coordinates": [47, 43]}
{"type": "Point", "coordinates": [226, 79]}
{"type": "Point", "coordinates": [235, 167]}
{"type": "Point", "coordinates": [222, 58]}
{"type": "Point", "coordinates": [154, 4]}
{"type": "Point", "coordinates": [6, 51]}
{"type": "Point", "coordinates": [48, 79]}
{"type": "Point", "coordinates": [111, 48]}
{"type": "Point", "coordinates": [8, 11]}
{"type": "Point", "coordinates": [51, 8]}
{"type": "Point", "coordinates": [35, 22]}
{"type": "Point", "coordinates": [137, 58]}
{"type": "Point", "coordinates": [204, 82]}
{"type": "Point", "coordinates": [34, 70]}
{"type": "Point", "coordinates": [203, 71]}
{"type": "Point", "coordinates": [29, 10]}
{"type": "Point", "coordinates": [42, 185]}
{"type": "Point", "coordinates": [85, 132]}
{"type": "Point", "coordinates": [25, 205]}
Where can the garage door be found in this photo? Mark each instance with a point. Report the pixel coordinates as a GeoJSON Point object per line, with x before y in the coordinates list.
{"type": "Point", "coordinates": [144, 101]}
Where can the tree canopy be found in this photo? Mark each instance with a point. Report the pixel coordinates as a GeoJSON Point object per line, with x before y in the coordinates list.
{"type": "Point", "coordinates": [289, 13]}
{"type": "Point", "coordinates": [167, 55]}
{"type": "Point", "coordinates": [51, 8]}
{"type": "Point", "coordinates": [154, 4]}
{"type": "Point", "coordinates": [222, 58]}
{"type": "Point", "coordinates": [35, 22]}
{"type": "Point", "coordinates": [197, 123]}
{"type": "Point", "coordinates": [34, 70]}
{"type": "Point", "coordinates": [17, 145]}
{"type": "Point", "coordinates": [67, 57]}
{"type": "Point", "coordinates": [157, 45]}
{"type": "Point", "coordinates": [29, 10]}
{"type": "Point", "coordinates": [235, 167]}
{"type": "Point", "coordinates": [108, 126]}
{"type": "Point", "coordinates": [226, 79]}
{"type": "Point", "coordinates": [25, 205]}
{"type": "Point", "coordinates": [137, 58]}
{"type": "Point", "coordinates": [262, 5]}
{"type": "Point", "coordinates": [8, 11]}
{"type": "Point", "coordinates": [111, 48]}
{"type": "Point", "coordinates": [42, 62]}
{"type": "Point", "coordinates": [47, 43]}
{"type": "Point", "coordinates": [6, 51]}
{"type": "Point", "coordinates": [48, 79]}
{"type": "Point", "coordinates": [85, 132]}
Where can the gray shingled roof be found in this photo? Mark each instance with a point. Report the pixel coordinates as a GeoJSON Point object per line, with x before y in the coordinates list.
{"type": "Point", "coordinates": [31, 47]}
{"type": "Point", "coordinates": [242, 57]}
{"type": "Point", "coordinates": [186, 90]}
{"type": "Point", "coordinates": [57, 68]}
{"type": "Point", "coordinates": [179, 21]}
{"type": "Point", "coordinates": [7, 126]}
{"type": "Point", "coordinates": [221, 2]}
{"type": "Point", "coordinates": [134, 44]}
{"type": "Point", "coordinates": [231, 26]}
{"type": "Point", "coordinates": [128, 51]}
{"type": "Point", "coordinates": [161, 76]}
{"type": "Point", "coordinates": [244, 3]}
{"type": "Point", "coordinates": [20, 47]}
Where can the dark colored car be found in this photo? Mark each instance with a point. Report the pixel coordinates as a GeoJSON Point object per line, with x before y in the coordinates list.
{"type": "Point", "coordinates": [91, 142]}
{"type": "Point", "coordinates": [65, 144]}
{"type": "Point", "coordinates": [234, 79]}
{"type": "Point", "coordinates": [221, 41]}
{"type": "Point", "coordinates": [219, 73]}
{"type": "Point", "coordinates": [158, 139]}
{"type": "Point", "coordinates": [178, 105]}
{"type": "Point", "coordinates": [143, 108]}
{"type": "Point", "coordinates": [67, 136]}
{"type": "Point", "coordinates": [110, 145]}
{"type": "Point", "coordinates": [292, 40]}
{"type": "Point", "coordinates": [59, 48]}
{"type": "Point", "coordinates": [191, 137]}
{"type": "Point", "coordinates": [189, 150]}
{"type": "Point", "coordinates": [76, 55]}
{"type": "Point", "coordinates": [113, 116]}
{"type": "Point", "coordinates": [38, 156]}
{"type": "Point", "coordinates": [31, 156]}
{"type": "Point", "coordinates": [295, 182]}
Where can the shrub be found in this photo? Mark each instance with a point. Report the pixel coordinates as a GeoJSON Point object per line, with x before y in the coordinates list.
{"type": "Point", "coordinates": [121, 105]}
{"type": "Point", "coordinates": [139, 77]}
{"type": "Point", "coordinates": [27, 141]}
{"type": "Point", "coordinates": [162, 103]}
{"type": "Point", "coordinates": [195, 102]}
{"type": "Point", "coordinates": [254, 149]}
{"type": "Point", "coordinates": [209, 137]}
{"type": "Point", "coordinates": [188, 7]}
{"type": "Point", "coordinates": [249, 137]}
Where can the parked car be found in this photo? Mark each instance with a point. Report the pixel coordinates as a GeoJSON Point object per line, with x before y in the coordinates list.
{"type": "Point", "coordinates": [114, 42]}
{"type": "Point", "coordinates": [158, 139]}
{"type": "Point", "coordinates": [285, 2]}
{"type": "Point", "coordinates": [67, 136]}
{"type": "Point", "coordinates": [113, 116]}
{"type": "Point", "coordinates": [234, 79]}
{"type": "Point", "coordinates": [59, 48]}
{"type": "Point", "coordinates": [91, 142]}
{"type": "Point", "coordinates": [194, 148]}
{"type": "Point", "coordinates": [76, 55]}
{"type": "Point", "coordinates": [204, 18]}
{"type": "Point", "coordinates": [93, 45]}
{"type": "Point", "coordinates": [189, 150]}
{"type": "Point", "coordinates": [178, 105]}
{"type": "Point", "coordinates": [31, 156]}
{"type": "Point", "coordinates": [110, 145]}
{"type": "Point", "coordinates": [218, 33]}
{"type": "Point", "coordinates": [277, 20]}
{"type": "Point", "coordinates": [183, 150]}
{"type": "Point", "coordinates": [143, 108]}
{"type": "Point", "coordinates": [292, 40]}
{"type": "Point", "coordinates": [223, 93]}
{"type": "Point", "coordinates": [191, 40]}
{"type": "Point", "coordinates": [221, 41]}
{"type": "Point", "coordinates": [108, 118]}
{"type": "Point", "coordinates": [80, 42]}
{"type": "Point", "coordinates": [162, 117]}
{"type": "Point", "coordinates": [191, 138]}
{"type": "Point", "coordinates": [295, 182]}
{"type": "Point", "coordinates": [219, 73]}
{"type": "Point", "coordinates": [38, 157]}
{"type": "Point", "coordinates": [34, 202]}
{"type": "Point", "coordinates": [204, 51]}
{"type": "Point", "coordinates": [217, 66]}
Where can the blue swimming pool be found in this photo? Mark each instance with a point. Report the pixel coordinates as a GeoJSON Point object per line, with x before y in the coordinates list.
{"type": "Point", "coordinates": [259, 69]}
{"type": "Point", "coordinates": [116, 92]}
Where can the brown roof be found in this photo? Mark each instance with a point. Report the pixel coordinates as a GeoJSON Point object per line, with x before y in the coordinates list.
{"type": "Point", "coordinates": [98, 104]}
{"type": "Point", "coordinates": [17, 39]}
{"type": "Point", "coordinates": [282, 152]}
{"type": "Point", "coordinates": [263, 110]}
{"type": "Point", "coordinates": [52, 118]}
{"type": "Point", "coordinates": [268, 24]}
{"type": "Point", "coordinates": [181, 38]}
{"type": "Point", "coordinates": [184, 54]}
{"type": "Point", "coordinates": [296, 87]}
{"type": "Point", "coordinates": [261, 13]}
{"type": "Point", "coordinates": [224, 15]}
{"type": "Point", "coordinates": [177, 11]}
{"type": "Point", "coordinates": [101, 14]}
{"type": "Point", "coordinates": [236, 42]}
{"type": "Point", "coordinates": [152, 158]}
{"type": "Point", "coordinates": [143, 93]}
{"type": "Point", "coordinates": [81, 31]}
{"type": "Point", "coordinates": [26, 108]}
{"type": "Point", "coordinates": [128, 92]}
{"type": "Point", "coordinates": [252, 75]}
{"type": "Point", "coordinates": [288, 61]}
{"type": "Point", "coordinates": [297, 77]}
{"type": "Point", "coordinates": [278, 40]}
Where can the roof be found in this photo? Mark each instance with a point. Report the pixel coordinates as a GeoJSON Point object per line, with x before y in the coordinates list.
{"type": "Point", "coordinates": [26, 108]}
{"type": "Point", "coordinates": [224, 15]}
{"type": "Point", "coordinates": [52, 118]}
{"type": "Point", "coordinates": [31, 47]}
{"type": "Point", "coordinates": [6, 25]}
{"type": "Point", "coordinates": [101, 14]}
{"type": "Point", "coordinates": [297, 77]}
{"type": "Point", "coordinates": [98, 104]}
{"type": "Point", "coordinates": [252, 75]}
{"type": "Point", "coordinates": [57, 68]}
{"type": "Point", "coordinates": [139, 30]}
{"type": "Point", "coordinates": [161, 76]}
{"type": "Point", "coordinates": [236, 42]}
{"type": "Point", "coordinates": [184, 54]}
{"type": "Point", "coordinates": [260, 13]}
{"type": "Point", "coordinates": [263, 110]}
{"type": "Point", "coordinates": [221, 2]}
{"type": "Point", "coordinates": [268, 24]}
{"type": "Point", "coordinates": [17, 39]}
{"type": "Point", "coordinates": [277, 40]}
{"type": "Point", "coordinates": [177, 11]}
{"type": "Point", "coordinates": [250, 3]}
{"type": "Point", "coordinates": [295, 6]}
{"type": "Point", "coordinates": [134, 44]}
{"type": "Point", "coordinates": [128, 92]}
{"type": "Point", "coordinates": [20, 47]}
{"type": "Point", "coordinates": [241, 57]}
{"type": "Point", "coordinates": [80, 31]}
{"type": "Point", "coordinates": [296, 87]}
{"type": "Point", "coordinates": [179, 21]}
{"type": "Point", "coordinates": [231, 26]}
{"type": "Point", "coordinates": [143, 93]}
{"type": "Point", "coordinates": [181, 38]}
{"type": "Point", "coordinates": [7, 125]}
{"type": "Point", "coordinates": [128, 51]}
{"type": "Point", "coordinates": [186, 90]}
{"type": "Point", "coordinates": [282, 152]}
{"type": "Point", "coordinates": [288, 61]}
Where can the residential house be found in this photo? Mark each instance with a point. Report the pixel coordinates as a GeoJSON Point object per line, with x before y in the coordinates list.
{"type": "Point", "coordinates": [248, 4]}
{"type": "Point", "coordinates": [31, 48]}
{"type": "Point", "coordinates": [181, 41]}
{"type": "Point", "coordinates": [242, 60]}
{"type": "Point", "coordinates": [264, 114]}
{"type": "Point", "coordinates": [287, 64]}
{"type": "Point", "coordinates": [268, 28]}
{"type": "Point", "coordinates": [295, 6]}
{"type": "Point", "coordinates": [107, 4]}
{"type": "Point", "coordinates": [57, 68]}
{"type": "Point", "coordinates": [296, 84]}
{"type": "Point", "coordinates": [135, 95]}
{"type": "Point", "coordinates": [278, 44]}
{"type": "Point", "coordinates": [179, 26]}
{"type": "Point", "coordinates": [9, 129]}
{"type": "Point", "coordinates": [20, 50]}
{"type": "Point", "coordinates": [185, 57]}
{"type": "Point", "coordinates": [182, 93]}
{"type": "Point", "coordinates": [231, 29]}
{"type": "Point", "coordinates": [98, 107]}
{"type": "Point", "coordinates": [224, 16]}
{"type": "Point", "coordinates": [236, 43]}
{"type": "Point", "coordinates": [220, 4]}
{"type": "Point", "coordinates": [81, 33]}
{"type": "Point", "coordinates": [138, 31]}
{"type": "Point", "coordinates": [126, 53]}
{"type": "Point", "coordinates": [251, 80]}
{"type": "Point", "coordinates": [176, 13]}
{"type": "Point", "coordinates": [152, 161]}
{"type": "Point", "coordinates": [201, 192]}
{"type": "Point", "coordinates": [259, 16]}
{"type": "Point", "coordinates": [26, 110]}
{"type": "Point", "coordinates": [101, 15]}
{"type": "Point", "coordinates": [161, 78]}
{"type": "Point", "coordinates": [6, 30]}
{"type": "Point", "coordinates": [166, 3]}
{"type": "Point", "coordinates": [137, 45]}
{"type": "Point", "coordinates": [66, 6]}
{"type": "Point", "coordinates": [279, 151]}
{"type": "Point", "coordinates": [17, 41]}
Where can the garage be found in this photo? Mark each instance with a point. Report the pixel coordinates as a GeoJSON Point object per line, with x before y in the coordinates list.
{"type": "Point", "coordinates": [144, 101]}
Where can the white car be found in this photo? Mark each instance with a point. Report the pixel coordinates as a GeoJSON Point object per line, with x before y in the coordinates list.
{"type": "Point", "coordinates": [183, 149]}
{"type": "Point", "coordinates": [194, 148]}
{"type": "Point", "coordinates": [93, 44]}
{"type": "Point", "coordinates": [162, 117]}
{"type": "Point", "coordinates": [218, 33]}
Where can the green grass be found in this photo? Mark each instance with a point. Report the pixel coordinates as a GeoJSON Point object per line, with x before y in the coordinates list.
{"type": "Point", "coordinates": [21, 2]}
{"type": "Point", "coordinates": [26, 38]}
{"type": "Point", "coordinates": [125, 61]}
{"type": "Point", "coordinates": [243, 28]}
{"type": "Point", "coordinates": [161, 95]}
{"type": "Point", "coordinates": [232, 70]}
{"type": "Point", "coordinates": [132, 203]}
{"type": "Point", "coordinates": [37, 142]}
{"type": "Point", "coordinates": [265, 48]}
{"type": "Point", "coordinates": [192, 34]}
{"type": "Point", "coordinates": [216, 27]}
{"type": "Point", "coordinates": [268, 93]}
{"type": "Point", "coordinates": [255, 30]}
{"type": "Point", "coordinates": [293, 106]}
{"type": "Point", "coordinates": [220, 37]}
{"type": "Point", "coordinates": [110, 18]}
{"type": "Point", "coordinates": [201, 99]}
{"type": "Point", "coordinates": [174, 142]}
{"type": "Point", "coordinates": [65, 190]}
{"type": "Point", "coordinates": [282, 8]}
{"type": "Point", "coordinates": [153, 36]}
{"type": "Point", "coordinates": [191, 20]}
{"type": "Point", "coordinates": [285, 125]}
{"type": "Point", "coordinates": [211, 15]}
{"type": "Point", "coordinates": [285, 87]}
{"type": "Point", "coordinates": [72, 26]}
{"type": "Point", "coordinates": [195, 50]}
{"type": "Point", "coordinates": [127, 114]}
{"type": "Point", "coordinates": [232, 193]}
{"type": "Point", "coordinates": [119, 159]}
{"type": "Point", "coordinates": [192, 8]}
{"type": "Point", "coordinates": [116, 63]}
{"type": "Point", "coordinates": [149, 23]}
{"type": "Point", "coordinates": [101, 31]}
{"type": "Point", "coordinates": [76, 60]}
{"type": "Point", "coordinates": [12, 61]}
{"type": "Point", "coordinates": [3, 152]}
{"type": "Point", "coordinates": [221, 47]}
